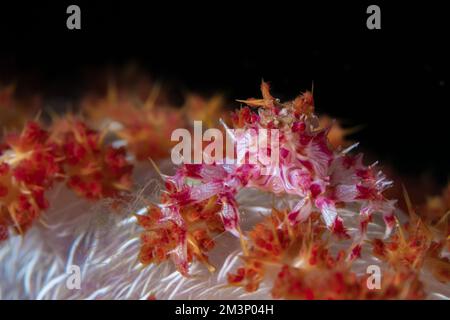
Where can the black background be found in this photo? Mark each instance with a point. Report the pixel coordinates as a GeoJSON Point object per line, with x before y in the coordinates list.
{"type": "Point", "coordinates": [165, 309]}
{"type": "Point", "coordinates": [395, 81]}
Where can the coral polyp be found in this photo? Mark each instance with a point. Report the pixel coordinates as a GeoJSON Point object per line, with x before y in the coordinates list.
{"type": "Point", "coordinates": [299, 263]}
{"type": "Point", "coordinates": [93, 168]}
{"type": "Point", "coordinates": [33, 160]}
{"type": "Point", "coordinates": [417, 244]}
{"type": "Point", "coordinates": [196, 226]}
{"type": "Point", "coordinates": [28, 166]}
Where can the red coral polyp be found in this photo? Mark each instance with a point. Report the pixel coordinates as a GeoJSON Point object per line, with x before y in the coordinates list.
{"type": "Point", "coordinates": [28, 166]}
{"type": "Point", "coordinates": [94, 169]}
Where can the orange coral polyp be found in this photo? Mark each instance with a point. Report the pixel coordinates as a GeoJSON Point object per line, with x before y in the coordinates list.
{"type": "Point", "coordinates": [162, 237]}
{"type": "Point", "coordinates": [341, 283]}
{"type": "Point", "coordinates": [274, 243]}
{"type": "Point", "coordinates": [298, 261]}
{"type": "Point", "coordinates": [145, 126]}
{"type": "Point", "coordinates": [414, 246]}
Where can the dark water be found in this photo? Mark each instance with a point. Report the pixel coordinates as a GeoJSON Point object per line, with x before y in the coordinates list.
{"type": "Point", "coordinates": [395, 81]}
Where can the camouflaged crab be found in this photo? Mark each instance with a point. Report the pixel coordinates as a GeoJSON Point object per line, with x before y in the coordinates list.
{"type": "Point", "coordinates": [308, 167]}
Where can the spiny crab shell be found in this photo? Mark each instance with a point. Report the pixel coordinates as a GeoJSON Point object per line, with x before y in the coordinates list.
{"type": "Point", "coordinates": [322, 177]}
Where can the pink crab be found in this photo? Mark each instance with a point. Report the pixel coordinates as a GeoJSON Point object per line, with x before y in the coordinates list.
{"type": "Point", "coordinates": [305, 166]}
